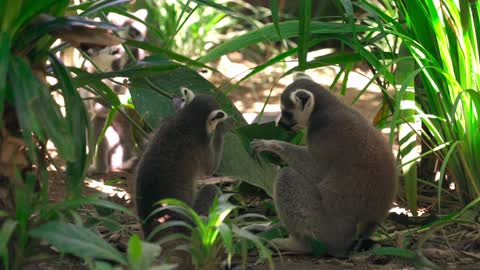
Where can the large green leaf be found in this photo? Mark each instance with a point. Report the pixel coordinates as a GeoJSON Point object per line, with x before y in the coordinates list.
{"type": "Point", "coordinates": [37, 112]}
{"type": "Point", "coordinates": [267, 131]}
{"type": "Point", "coordinates": [78, 241]}
{"type": "Point", "coordinates": [239, 164]}
{"type": "Point", "coordinates": [254, 171]}
{"type": "Point", "coordinates": [151, 97]}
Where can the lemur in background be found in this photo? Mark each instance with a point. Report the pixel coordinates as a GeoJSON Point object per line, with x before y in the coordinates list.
{"type": "Point", "coordinates": [106, 59]}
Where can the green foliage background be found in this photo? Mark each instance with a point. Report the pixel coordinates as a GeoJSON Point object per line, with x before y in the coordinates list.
{"type": "Point", "coordinates": [426, 51]}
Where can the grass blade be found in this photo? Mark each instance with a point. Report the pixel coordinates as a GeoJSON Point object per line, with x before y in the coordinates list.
{"type": "Point", "coordinates": [261, 67]}
{"type": "Point", "coordinates": [6, 232]}
{"type": "Point", "coordinates": [275, 18]}
{"type": "Point", "coordinates": [407, 131]}
{"type": "Point", "coordinates": [288, 29]}
{"type": "Point", "coordinates": [100, 5]}
{"type": "Point", "coordinates": [304, 32]}
{"type": "Point", "coordinates": [4, 64]}
{"type": "Point", "coordinates": [221, 8]}
{"type": "Point", "coordinates": [172, 55]}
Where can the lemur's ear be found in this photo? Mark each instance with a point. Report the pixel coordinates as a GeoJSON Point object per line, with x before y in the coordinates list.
{"type": "Point", "coordinates": [301, 76]}
{"type": "Point", "coordinates": [187, 97]}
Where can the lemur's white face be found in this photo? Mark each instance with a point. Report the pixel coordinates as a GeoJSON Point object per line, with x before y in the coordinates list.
{"type": "Point", "coordinates": [297, 106]}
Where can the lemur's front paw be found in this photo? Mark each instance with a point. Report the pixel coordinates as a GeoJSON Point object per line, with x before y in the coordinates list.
{"type": "Point", "coordinates": [258, 146]}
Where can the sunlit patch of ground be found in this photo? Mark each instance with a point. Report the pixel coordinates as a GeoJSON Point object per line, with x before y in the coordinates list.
{"type": "Point", "coordinates": [110, 190]}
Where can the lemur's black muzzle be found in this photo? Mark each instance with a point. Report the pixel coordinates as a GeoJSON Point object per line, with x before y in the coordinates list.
{"type": "Point", "coordinates": [288, 125]}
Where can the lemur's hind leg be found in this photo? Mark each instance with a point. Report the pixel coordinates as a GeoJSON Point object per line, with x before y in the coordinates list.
{"type": "Point", "coordinates": [304, 211]}
{"type": "Point", "coordinates": [298, 206]}
{"type": "Point", "coordinates": [204, 198]}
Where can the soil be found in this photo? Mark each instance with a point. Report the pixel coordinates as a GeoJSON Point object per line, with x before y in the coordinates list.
{"type": "Point", "coordinates": [462, 251]}
{"type": "Point", "coordinates": [454, 247]}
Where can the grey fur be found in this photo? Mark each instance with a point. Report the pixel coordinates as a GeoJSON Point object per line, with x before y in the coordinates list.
{"type": "Point", "coordinates": [180, 152]}
{"type": "Point", "coordinates": [343, 180]}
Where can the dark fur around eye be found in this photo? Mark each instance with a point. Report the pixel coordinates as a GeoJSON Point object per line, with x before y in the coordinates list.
{"type": "Point", "coordinates": [287, 115]}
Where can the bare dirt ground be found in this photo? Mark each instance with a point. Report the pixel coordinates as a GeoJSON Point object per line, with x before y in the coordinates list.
{"type": "Point", "coordinates": [452, 248]}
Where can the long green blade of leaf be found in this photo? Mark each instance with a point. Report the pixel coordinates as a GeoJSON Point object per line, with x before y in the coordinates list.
{"type": "Point", "coordinates": [221, 8]}
{"type": "Point", "coordinates": [77, 119]}
{"type": "Point", "coordinates": [6, 232]}
{"type": "Point", "coordinates": [261, 67]}
{"type": "Point", "coordinates": [78, 241]}
{"type": "Point", "coordinates": [276, 19]}
{"type": "Point", "coordinates": [172, 55]}
{"type": "Point", "coordinates": [267, 33]}
{"type": "Point", "coordinates": [304, 32]}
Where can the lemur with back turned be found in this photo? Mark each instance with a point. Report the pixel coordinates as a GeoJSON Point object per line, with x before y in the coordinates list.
{"type": "Point", "coordinates": [339, 186]}
{"type": "Point", "coordinates": [187, 147]}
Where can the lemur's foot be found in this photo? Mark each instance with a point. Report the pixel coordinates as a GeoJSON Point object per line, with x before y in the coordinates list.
{"type": "Point", "coordinates": [292, 245]}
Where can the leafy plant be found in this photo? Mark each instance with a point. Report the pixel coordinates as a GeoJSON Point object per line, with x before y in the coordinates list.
{"type": "Point", "coordinates": [189, 27]}
{"type": "Point", "coordinates": [31, 116]}
{"type": "Point", "coordinates": [83, 243]}
{"type": "Point", "coordinates": [211, 238]}
{"type": "Point", "coordinates": [436, 82]}
{"type": "Point", "coordinates": [446, 51]}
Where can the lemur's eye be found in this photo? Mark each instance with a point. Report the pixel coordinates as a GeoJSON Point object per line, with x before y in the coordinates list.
{"type": "Point", "coordinates": [287, 114]}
